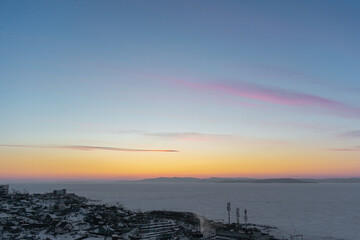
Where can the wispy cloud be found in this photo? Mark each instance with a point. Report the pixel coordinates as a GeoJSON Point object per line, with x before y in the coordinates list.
{"type": "Point", "coordinates": [189, 135]}
{"type": "Point", "coordinates": [87, 148]}
{"type": "Point", "coordinates": [350, 134]}
{"type": "Point", "coordinates": [278, 73]}
{"type": "Point", "coordinates": [179, 135]}
{"type": "Point", "coordinates": [196, 136]}
{"type": "Point", "coordinates": [306, 126]}
{"type": "Point", "coordinates": [354, 149]}
{"type": "Point", "coordinates": [274, 96]}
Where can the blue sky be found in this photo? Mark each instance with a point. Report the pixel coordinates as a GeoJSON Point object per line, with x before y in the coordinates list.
{"type": "Point", "coordinates": [117, 72]}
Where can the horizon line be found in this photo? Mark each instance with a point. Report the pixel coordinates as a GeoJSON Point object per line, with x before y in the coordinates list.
{"type": "Point", "coordinates": [146, 178]}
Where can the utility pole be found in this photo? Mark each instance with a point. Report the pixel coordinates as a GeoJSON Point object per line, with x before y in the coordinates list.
{"type": "Point", "coordinates": [237, 216]}
{"type": "Point", "coordinates": [228, 209]}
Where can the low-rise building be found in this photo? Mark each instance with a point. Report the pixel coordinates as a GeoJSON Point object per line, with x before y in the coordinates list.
{"type": "Point", "coordinates": [59, 192]}
{"type": "Point", "coordinates": [4, 190]}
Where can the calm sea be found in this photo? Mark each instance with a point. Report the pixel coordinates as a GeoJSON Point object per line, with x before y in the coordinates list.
{"type": "Point", "coordinates": [318, 211]}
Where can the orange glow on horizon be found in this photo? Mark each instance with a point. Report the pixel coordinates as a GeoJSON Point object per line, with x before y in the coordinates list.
{"type": "Point", "coordinates": [71, 164]}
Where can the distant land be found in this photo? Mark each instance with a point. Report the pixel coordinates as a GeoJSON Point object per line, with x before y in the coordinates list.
{"type": "Point", "coordinates": [270, 180]}
{"type": "Point", "coordinates": [197, 180]}
{"type": "Point", "coordinates": [193, 179]}
{"type": "Point", "coordinates": [251, 180]}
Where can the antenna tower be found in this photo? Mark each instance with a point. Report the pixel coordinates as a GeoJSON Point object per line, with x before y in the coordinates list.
{"type": "Point", "coordinates": [237, 216]}
{"type": "Point", "coordinates": [245, 216]}
{"type": "Point", "coordinates": [228, 209]}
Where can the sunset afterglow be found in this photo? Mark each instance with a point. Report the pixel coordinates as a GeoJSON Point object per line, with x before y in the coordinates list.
{"type": "Point", "coordinates": [133, 89]}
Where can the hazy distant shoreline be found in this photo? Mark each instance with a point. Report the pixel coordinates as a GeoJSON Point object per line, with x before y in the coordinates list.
{"type": "Point", "coordinates": [191, 180]}
{"type": "Point", "coordinates": [251, 180]}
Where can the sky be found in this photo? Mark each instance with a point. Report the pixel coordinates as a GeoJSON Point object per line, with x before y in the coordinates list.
{"type": "Point", "coordinates": [138, 89]}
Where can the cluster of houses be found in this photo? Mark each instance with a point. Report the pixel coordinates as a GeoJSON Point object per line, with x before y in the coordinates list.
{"type": "Point", "coordinates": [62, 215]}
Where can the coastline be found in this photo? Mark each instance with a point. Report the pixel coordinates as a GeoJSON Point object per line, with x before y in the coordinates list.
{"type": "Point", "coordinates": [62, 215]}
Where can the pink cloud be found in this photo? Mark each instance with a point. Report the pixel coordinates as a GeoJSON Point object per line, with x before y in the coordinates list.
{"type": "Point", "coordinates": [88, 148]}
{"type": "Point", "coordinates": [262, 94]}
{"type": "Point", "coordinates": [274, 96]}
{"type": "Point", "coordinates": [350, 134]}
{"type": "Point", "coordinates": [294, 125]}
{"type": "Point", "coordinates": [188, 136]}
{"type": "Point", "coordinates": [197, 136]}
{"type": "Point", "coordinates": [354, 149]}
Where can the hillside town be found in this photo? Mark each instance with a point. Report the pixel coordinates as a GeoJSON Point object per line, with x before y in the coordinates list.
{"type": "Point", "coordinates": [62, 215]}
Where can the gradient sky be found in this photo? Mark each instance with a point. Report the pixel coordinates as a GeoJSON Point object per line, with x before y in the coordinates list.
{"type": "Point", "coordinates": [134, 89]}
